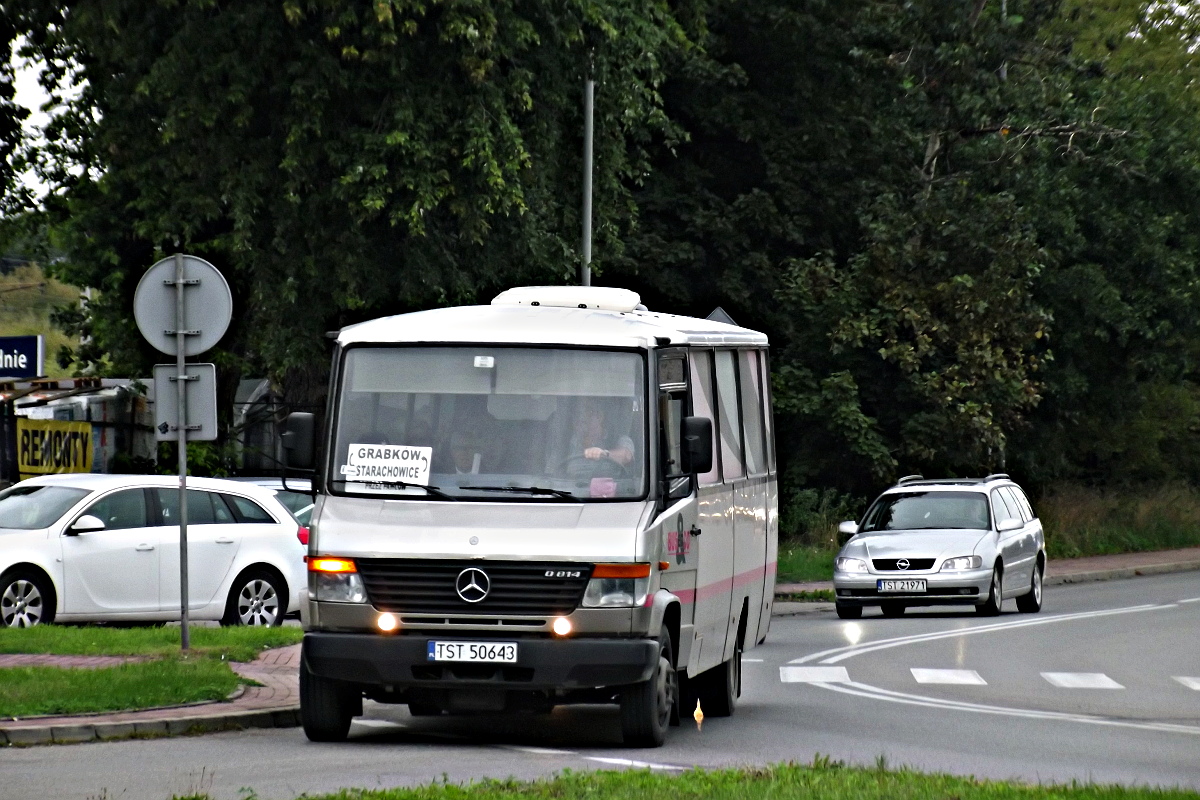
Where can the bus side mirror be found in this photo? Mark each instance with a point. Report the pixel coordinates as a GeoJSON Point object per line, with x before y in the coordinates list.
{"type": "Point", "coordinates": [297, 440]}
{"type": "Point", "coordinates": [697, 454]}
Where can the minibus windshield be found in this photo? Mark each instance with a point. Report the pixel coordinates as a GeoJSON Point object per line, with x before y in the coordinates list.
{"type": "Point", "coordinates": [491, 423]}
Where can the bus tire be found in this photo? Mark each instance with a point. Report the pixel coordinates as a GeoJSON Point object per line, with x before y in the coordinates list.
{"type": "Point", "coordinates": [646, 707]}
{"type": "Point", "coordinates": [326, 706]}
{"type": "Point", "coordinates": [720, 687]}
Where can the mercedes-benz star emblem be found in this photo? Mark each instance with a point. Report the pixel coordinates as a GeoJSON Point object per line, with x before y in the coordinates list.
{"type": "Point", "coordinates": [472, 584]}
{"type": "Point", "coordinates": [902, 564]}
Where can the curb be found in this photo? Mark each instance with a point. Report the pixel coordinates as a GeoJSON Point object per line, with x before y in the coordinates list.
{"type": "Point", "coordinates": [180, 726]}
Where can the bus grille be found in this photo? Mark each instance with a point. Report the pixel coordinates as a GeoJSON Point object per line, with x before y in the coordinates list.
{"type": "Point", "coordinates": [427, 586]}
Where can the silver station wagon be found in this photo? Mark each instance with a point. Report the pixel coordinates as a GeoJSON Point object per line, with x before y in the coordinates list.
{"type": "Point", "coordinates": [925, 542]}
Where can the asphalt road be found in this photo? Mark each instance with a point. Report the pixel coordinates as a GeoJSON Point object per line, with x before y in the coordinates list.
{"type": "Point", "coordinates": [1103, 685]}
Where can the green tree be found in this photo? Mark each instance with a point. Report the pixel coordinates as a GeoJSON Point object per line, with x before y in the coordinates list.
{"type": "Point", "coordinates": [337, 161]}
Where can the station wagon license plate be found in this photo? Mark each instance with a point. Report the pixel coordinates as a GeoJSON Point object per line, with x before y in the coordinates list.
{"type": "Point", "coordinates": [907, 586]}
{"type": "Point", "coordinates": [476, 652]}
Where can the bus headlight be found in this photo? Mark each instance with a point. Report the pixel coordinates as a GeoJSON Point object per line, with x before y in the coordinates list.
{"type": "Point", "coordinates": [337, 580]}
{"type": "Point", "coordinates": [617, 586]}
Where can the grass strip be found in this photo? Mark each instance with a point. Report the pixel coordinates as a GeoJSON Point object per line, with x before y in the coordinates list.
{"type": "Point", "coordinates": [233, 644]}
{"type": "Point", "coordinates": [799, 563]}
{"type": "Point", "coordinates": [32, 691]}
{"type": "Point", "coordinates": [823, 779]}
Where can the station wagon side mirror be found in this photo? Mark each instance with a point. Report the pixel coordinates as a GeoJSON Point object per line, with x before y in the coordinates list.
{"type": "Point", "coordinates": [1009, 525]}
{"type": "Point", "coordinates": [696, 434]}
{"type": "Point", "coordinates": [85, 524]}
{"type": "Point", "coordinates": [846, 531]}
{"type": "Point", "coordinates": [297, 440]}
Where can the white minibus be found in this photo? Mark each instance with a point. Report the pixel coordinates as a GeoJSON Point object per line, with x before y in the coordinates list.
{"type": "Point", "coordinates": [560, 497]}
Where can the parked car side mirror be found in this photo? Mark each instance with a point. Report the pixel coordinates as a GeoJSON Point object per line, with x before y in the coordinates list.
{"type": "Point", "coordinates": [84, 524]}
{"type": "Point", "coordinates": [297, 440]}
{"type": "Point", "coordinates": [1009, 525]}
{"type": "Point", "coordinates": [696, 433]}
{"type": "Point", "coordinates": [846, 530]}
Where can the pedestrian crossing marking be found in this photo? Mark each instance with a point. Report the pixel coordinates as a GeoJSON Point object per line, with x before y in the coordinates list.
{"type": "Point", "coordinates": [814, 675]}
{"type": "Point", "coordinates": [957, 677]}
{"type": "Point", "coordinates": [1081, 680]}
{"type": "Point", "coordinates": [1191, 683]}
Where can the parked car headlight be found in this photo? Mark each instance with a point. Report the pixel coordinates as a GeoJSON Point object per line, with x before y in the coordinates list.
{"type": "Point", "coordinates": [844, 564]}
{"type": "Point", "coordinates": [961, 563]}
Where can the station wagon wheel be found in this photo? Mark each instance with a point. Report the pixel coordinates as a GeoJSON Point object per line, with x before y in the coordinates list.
{"type": "Point", "coordinates": [1031, 602]}
{"type": "Point", "coordinates": [995, 600]}
{"type": "Point", "coordinates": [26, 599]}
{"type": "Point", "coordinates": [646, 707]}
{"type": "Point", "coordinates": [893, 609]}
{"type": "Point", "coordinates": [257, 598]}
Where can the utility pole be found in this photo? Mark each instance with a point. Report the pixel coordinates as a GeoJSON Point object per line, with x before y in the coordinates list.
{"type": "Point", "coordinates": [585, 269]}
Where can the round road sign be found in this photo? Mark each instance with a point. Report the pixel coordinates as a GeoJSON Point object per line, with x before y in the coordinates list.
{"type": "Point", "coordinates": [207, 305]}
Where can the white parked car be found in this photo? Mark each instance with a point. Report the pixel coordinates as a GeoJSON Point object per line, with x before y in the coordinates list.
{"type": "Point", "coordinates": [972, 541]}
{"type": "Point", "coordinates": [88, 548]}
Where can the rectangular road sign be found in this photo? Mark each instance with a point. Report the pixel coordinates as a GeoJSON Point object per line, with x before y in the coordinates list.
{"type": "Point", "coordinates": [201, 402]}
{"type": "Point", "coordinates": [22, 356]}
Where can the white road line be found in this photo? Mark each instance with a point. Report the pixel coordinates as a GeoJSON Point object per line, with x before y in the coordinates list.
{"type": "Point", "coordinates": [875, 693]}
{"type": "Point", "coordinates": [538, 751]}
{"type": "Point", "coordinates": [957, 677]}
{"type": "Point", "coordinates": [629, 762]}
{"type": "Point", "coordinates": [752, 661]}
{"type": "Point", "coordinates": [836, 654]}
{"type": "Point", "coordinates": [813, 675]}
{"type": "Point", "coordinates": [1190, 600]}
{"type": "Point", "coordinates": [1081, 680]}
{"type": "Point", "coordinates": [378, 723]}
{"type": "Point", "coordinates": [1191, 683]}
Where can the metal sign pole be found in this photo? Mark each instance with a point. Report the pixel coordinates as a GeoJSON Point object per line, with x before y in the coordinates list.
{"type": "Point", "coordinates": [585, 269]}
{"type": "Point", "coordinates": [181, 389]}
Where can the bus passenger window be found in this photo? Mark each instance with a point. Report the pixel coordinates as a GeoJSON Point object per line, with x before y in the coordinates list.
{"type": "Point", "coordinates": [731, 434]}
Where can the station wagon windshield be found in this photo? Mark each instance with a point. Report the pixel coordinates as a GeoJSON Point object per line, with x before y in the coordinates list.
{"type": "Point", "coordinates": [916, 511]}
{"type": "Point", "coordinates": [31, 507]}
{"type": "Point", "coordinates": [491, 423]}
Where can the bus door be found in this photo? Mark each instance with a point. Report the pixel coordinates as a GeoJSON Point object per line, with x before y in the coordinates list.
{"type": "Point", "coordinates": [677, 525]}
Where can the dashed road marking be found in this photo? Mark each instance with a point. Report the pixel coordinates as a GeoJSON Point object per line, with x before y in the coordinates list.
{"type": "Point", "coordinates": [752, 661]}
{"type": "Point", "coordinates": [1081, 680]}
{"type": "Point", "coordinates": [956, 677]}
{"type": "Point", "coordinates": [378, 723]}
{"type": "Point", "coordinates": [814, 675]}
{"type": "Point", "coordinates": [1191, 683]}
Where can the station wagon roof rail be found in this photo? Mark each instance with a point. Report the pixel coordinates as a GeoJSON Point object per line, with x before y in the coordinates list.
{"type": "Point", "coordinates": [918, 480]}
{"type": "Point", "coordinates": [580, 316]}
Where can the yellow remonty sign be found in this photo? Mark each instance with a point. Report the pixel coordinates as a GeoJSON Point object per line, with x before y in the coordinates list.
{"type": "Point", "coordinates": [46, 446]}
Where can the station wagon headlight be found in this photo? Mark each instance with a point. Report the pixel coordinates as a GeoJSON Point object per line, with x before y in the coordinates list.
{"type": "Point", "coordinates": [961, 563]}
{"type": "Point", "coordinates": [844, 564]}
{"type": "Point", "coordinates": [617, 586]}
{"type": "Point", "coordinates": [337, 580]}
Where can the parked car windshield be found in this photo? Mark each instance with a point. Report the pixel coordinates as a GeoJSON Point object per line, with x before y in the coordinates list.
{"type": "Point", "coordinates": [491, 423]}
{"type": "Point", "coordinates": [915, 511]}
{"type": "Point", "coordinates": [27, 507]}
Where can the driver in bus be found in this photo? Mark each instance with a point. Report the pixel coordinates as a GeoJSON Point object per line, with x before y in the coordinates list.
{"type": "Point", "coordinates": [594, 439]}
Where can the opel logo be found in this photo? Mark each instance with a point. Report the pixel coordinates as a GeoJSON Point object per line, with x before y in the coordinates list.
{"type": "Point", "coordinates": [901, 564]}
{"type": "Point", "coordinates": [472, 584]}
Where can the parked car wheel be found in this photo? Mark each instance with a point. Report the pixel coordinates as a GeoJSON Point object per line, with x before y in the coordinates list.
{"type": "Point", "coordinates": [257, 598]}
{"type": "Point", "coordinates": [991, 607]}
{"type": "Point", "coordinates": [849, 612]}
{"type": "Point", "coordinates": [26, 599]}
{"type": "Point", "coordinates": [646, 706]}
{"type": "Point", "coordinates": [1031, 602]}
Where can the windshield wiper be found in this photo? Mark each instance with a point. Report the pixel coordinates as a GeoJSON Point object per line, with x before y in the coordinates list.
{"type": "Point", "coordinates": [524, 490]}
{"type": "Point", "coordinates": [433, 490]}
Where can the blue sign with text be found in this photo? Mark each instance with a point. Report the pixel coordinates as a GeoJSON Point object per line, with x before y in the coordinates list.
{"type": "Point", "coordinates": [22, 356]}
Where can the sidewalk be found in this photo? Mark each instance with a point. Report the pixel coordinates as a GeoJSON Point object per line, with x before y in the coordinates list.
{"type": "Point", "coordinates": [276, 703]}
